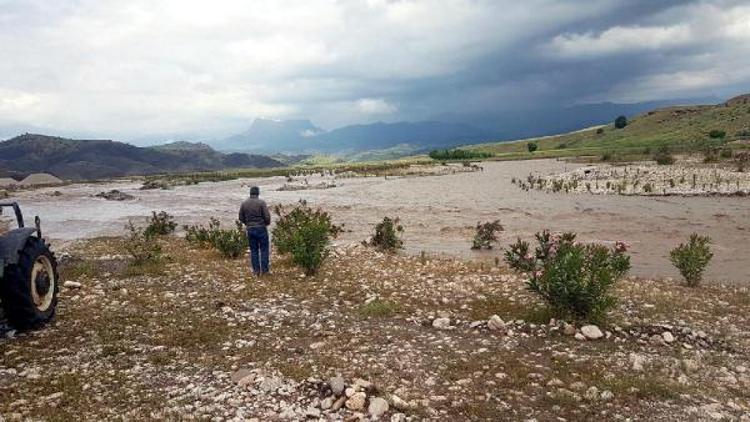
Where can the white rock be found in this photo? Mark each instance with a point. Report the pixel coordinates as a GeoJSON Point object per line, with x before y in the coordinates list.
{"type": "Point", "coordinates": [326, 403]}
{"type": "Point", "coordinates": [442, 323]}
{"type": "Point", "coordinates": [580, 337]}
{"type": "Point", "coordinates": [398, 417]}
{"type": "Point", "coordinates": [72, 284]}
{"type": "Point", "coordinates": [356, 401]}
{"type": "Point", "coordinates": [378, 407]}
{"type": "Point", "coordinates": [591, 332]}
{"type": "Point", "coordinates": [495, 323]}
{"type": "Point", "coordinates": [636, 362]}
{"type": "Point", "coordinates": [667, 337]}
{"type": "Point", "coordinates": [607, 395]}
{"type": "Point", "coordinates": [400, 403]}
{"type": "Point", "coordinates": [337, 385]}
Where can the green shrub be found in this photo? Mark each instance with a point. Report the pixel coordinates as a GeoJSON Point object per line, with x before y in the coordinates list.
{"type": "Point", "coordinates": [160, 224]}
{"type": "Point", "coordinates": [648, 188]}
{"type": "Point", "coordinates": [388, 235]}
{"type": "Point", "coordinates": [717, 134]}
{"type": "Point", "coordinates": [141, 246]}
{"type": "Point", "coordinates": [202, 236]}
{"type": "Point", "coordinates": [621, 122]}
{"type": "Point", "coordinates": [599, 131]}
{"type": "Point", "coordinates": [486, 236]}
{"type": "Point", "coordinates": [305, 234]}
{"type": "Point", "coordinates": [575, 280]}
{"type": "Point", "coordinates": [231, 243]}
{"type": "Point", "coordinates": [691, 259]}
{"type": "Point", "coordinates": [531, 147]}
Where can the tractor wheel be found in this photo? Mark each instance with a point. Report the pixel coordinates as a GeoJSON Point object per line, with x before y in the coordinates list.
{"type": "Point", "coordinates": [29, 288]}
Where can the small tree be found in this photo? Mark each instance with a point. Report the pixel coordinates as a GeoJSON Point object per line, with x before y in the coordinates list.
{"type": "Point", "coordinates": [388, 235]}
{"type": "Point", "coordinates": [621, 122]}
{"type": "Point", "coordinates": [485, 235]}
{"type": "Point", "coordinates": [305, 234]}
{"type": "Point", "coordinates": [532, 146]}
{"type": "Point", "coordinates": [691, 259]}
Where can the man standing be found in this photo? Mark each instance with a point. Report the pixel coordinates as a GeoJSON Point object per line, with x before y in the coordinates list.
{"type": "Point", "coordinates": [256, 218]}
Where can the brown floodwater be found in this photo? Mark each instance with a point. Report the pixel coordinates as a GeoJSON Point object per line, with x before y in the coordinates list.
{"type": "Point", "coordinates": [438, 212]}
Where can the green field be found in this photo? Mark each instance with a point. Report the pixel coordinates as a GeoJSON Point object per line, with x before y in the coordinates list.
{"type": "Point", "coordinates": [681, 129]}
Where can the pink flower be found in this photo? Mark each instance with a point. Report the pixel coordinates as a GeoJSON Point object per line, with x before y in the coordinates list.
{"type": "Point", "coordinates": [621, 246]}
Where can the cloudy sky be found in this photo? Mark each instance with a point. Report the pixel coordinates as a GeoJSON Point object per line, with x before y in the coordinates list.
{"type": "Point", "coordinates": [136, 68]}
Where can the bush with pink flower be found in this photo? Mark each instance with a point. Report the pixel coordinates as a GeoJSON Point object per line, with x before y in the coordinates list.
{"type": "Point", "coordinates": [574, 279]}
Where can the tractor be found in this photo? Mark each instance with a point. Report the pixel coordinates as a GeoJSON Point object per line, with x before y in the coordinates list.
{"type": "Point", "coordinates": [28, 274]}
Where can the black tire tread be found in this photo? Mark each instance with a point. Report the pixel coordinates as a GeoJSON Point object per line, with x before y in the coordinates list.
{"type": "Point", "coordinates": [15, 290]}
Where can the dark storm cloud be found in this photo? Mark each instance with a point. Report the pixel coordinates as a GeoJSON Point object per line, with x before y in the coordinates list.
{"type": "Point", "coordinates": [142, 67]}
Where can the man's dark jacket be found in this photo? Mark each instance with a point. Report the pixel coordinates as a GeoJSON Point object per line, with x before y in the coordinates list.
{"type": "Point", "coordinates": [254, 213]}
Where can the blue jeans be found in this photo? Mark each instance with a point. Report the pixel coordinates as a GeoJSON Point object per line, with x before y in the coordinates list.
{"type": "Point", "coordinates": [258, 239]}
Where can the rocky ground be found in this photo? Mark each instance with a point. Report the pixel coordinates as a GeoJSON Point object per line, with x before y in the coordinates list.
{"type": "Point", "coordinates": [685, 179]}
{"type": "Point", "coordinates": [373, 336]}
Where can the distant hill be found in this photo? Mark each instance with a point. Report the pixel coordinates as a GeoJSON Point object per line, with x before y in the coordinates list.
{"type": "Point", "coordinates": [543, 121]}
{"type": "Point", "coordinates": [94, 159]}
{"type": "Point", "coordinates": [301, 136]}
{"type": "Point", "coordinates": [678, 128]}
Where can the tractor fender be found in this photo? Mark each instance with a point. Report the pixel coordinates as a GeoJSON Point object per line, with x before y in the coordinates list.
{"type": "Point", "coordinates": [11, 243]}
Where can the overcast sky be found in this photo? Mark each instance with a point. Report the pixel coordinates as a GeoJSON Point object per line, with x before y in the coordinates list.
{"type": "Point", "coordinates": [134, 68]}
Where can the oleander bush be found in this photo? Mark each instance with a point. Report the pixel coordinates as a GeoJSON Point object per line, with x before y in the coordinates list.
{"type": "Point", "coordinates": [692, 258]}
{"type": "Point", "coordinates": [486, 234]}
{"type": "Point", "coordinates": [575, 280]}
{"type": "Point", "coordinates": [388, 234]}
{"type": "Point", "coordinates": [304, 233]}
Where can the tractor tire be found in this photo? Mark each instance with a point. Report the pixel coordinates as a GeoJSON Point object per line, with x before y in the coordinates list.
{"type": "Point", "coordinates": [29, 288]}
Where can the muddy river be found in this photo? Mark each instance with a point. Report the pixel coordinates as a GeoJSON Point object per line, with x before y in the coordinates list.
{"type": "Point", "coordinates": [438, 212]}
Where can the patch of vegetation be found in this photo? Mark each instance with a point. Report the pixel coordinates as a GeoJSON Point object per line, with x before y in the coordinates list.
{"type": "Point", "coordinates": [574, 279]}
{"type": "Point", "coordinates": [691, 259]}
{"type": "Point", "coordinates": [531, 147]}
{"type": "Point", "coordinates": [663, 157]}
{"type": "Point", "coordinates": [160, 224]}
{"type": "Point", "coordinates": [379, 308]}
{"type": "Point", "coordinates": [306, 234]}
{"type": "Point", "coordinates": [457, 154]}
{"type": "Point", "coordinates": [388, 235]}
{"type": "Point", "coordinates": [231, 243]}
{"type": "Point", "coordinates": [717, 134]}
{"type": "Point", "coordinates": [141, 246]}
{"type": "Point", "coordinates": [486, 234]}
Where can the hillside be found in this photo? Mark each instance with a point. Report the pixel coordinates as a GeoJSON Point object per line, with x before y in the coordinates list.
{"type": "Point", "coordinates": [681, 128]}
{"type": "Point", "coordinates": [93, 159]}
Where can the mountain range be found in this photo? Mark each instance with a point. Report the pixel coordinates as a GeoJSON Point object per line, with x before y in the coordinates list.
{"type": "Point", "coordinates": [444, 131]}
{"type": "Point", "coordinates": [93, 159]}
{"type": "Point", "coordinates": [302, 136]}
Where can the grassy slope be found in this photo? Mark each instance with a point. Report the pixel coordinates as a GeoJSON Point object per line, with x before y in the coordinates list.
{"type": "Point", "coordinates": [680, 128]}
